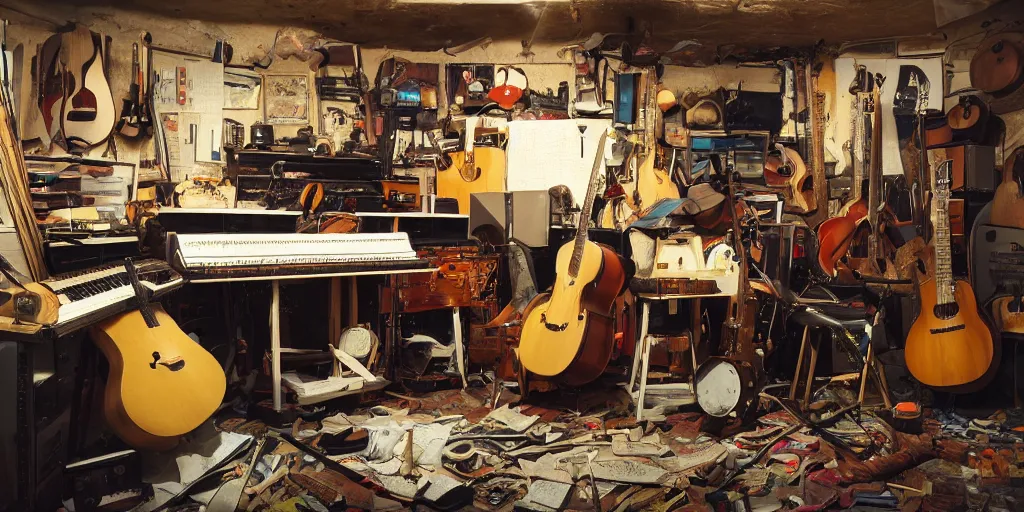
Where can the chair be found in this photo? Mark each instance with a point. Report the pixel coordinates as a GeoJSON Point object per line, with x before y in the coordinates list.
{"type": "Point", "coordinates": [841, 309]}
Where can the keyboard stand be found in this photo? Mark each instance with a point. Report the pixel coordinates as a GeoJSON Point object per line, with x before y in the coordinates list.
{"type": "Point", "coordinates": [275, 313]}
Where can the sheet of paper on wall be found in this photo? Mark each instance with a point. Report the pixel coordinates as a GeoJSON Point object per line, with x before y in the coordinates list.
{"type": "Point", "coordinates": [188, 140]}
{"type": "Point", "coordinates": [190, 85]}
{"type": "Point", "coordinates": [890, 69]}
{"type": "Point", "coordinates": [544, 154]}
{"type": "Point", "coordinates": [207, 87]}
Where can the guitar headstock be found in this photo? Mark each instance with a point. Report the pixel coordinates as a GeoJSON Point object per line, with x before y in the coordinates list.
{"type": "Point", "coordinates": [944, 176]}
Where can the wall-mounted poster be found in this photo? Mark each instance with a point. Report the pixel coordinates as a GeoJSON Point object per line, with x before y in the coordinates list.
{"type": "Point", "coordinates": [286, 99]}
{"type": "Point", "coordinates": [242, 89]}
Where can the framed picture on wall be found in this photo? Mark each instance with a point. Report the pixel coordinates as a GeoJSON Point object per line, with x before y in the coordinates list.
{"type": "Point", "coordinates": [286, 99]}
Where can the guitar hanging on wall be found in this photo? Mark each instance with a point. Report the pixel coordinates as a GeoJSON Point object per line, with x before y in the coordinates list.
{"type": "Point", "coordinates": [473, 169]}
{"type": "Point", "coordinates": [949, 345]}
{"type": "Point", "coordinates": [87, 113]}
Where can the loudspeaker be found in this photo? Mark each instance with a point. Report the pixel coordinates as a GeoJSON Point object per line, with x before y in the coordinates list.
{"type": "Point", "coordinates": [497, 217]}
{"type": "Point", "coordinates": [974, 167]}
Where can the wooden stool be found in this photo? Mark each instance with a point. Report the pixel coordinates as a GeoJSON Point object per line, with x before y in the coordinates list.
{"type": "Point", "coordinates": [869, 362]}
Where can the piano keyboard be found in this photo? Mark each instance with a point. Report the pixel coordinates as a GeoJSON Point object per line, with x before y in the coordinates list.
{"type": "Point", "coordinates": [213, 257]}
{"type": "Point", "coordinates": [89, 296]}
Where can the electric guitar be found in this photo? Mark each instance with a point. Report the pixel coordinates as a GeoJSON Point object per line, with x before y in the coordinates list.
{"type": "Point", "coordinates": [162, 384]}
{"type": "Point", "coordinates": [1008, 211]}
{"type": "Point", "coordinates": [949, 345]}
{"type": "Point", "coordinates": [570, 333]}
{"type": "Point", "coordinates": [87, 113]}
{"type": "Point", "coordinates": [134, 118]}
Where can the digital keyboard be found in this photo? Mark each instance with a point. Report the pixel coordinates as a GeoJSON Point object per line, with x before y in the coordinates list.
{"type": "Point", "coordinates": [88, 296]}
{"type": "Point", "coordinates": [249, 256]}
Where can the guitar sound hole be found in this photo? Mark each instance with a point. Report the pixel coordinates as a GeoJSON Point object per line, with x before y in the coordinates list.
{"type": "Point", "coordinates": [946, 311]}
{"type": "Point", "coordinates": [156, 357]}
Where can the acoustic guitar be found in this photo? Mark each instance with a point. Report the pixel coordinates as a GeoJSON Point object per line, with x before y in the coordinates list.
{"type": "Point", "coordinates": [472, 170]}
{"type": "Point", "coordinates": [161, 384]}
{"type": "Point", "coordinates": [1008, 210]}
{"type": "Point", "coordinates": [652, 184]}
{"type": "Point", "coordinates": [569, 334]}
{"type": "Point", "coordinates": [786, 172]}
{"type": "Point", "coordinates": [87, 112]}
{"type": "Point", "coordinates": [949, 345]}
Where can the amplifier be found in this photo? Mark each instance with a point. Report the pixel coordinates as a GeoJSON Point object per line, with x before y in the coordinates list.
{"type": "Point", "coordinates": [523, 215]}
{"type": "Point", "coordinates": [974, 167]}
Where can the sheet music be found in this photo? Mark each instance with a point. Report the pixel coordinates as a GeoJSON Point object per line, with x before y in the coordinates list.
{"type": "Point", "coordinates": [544, 154]}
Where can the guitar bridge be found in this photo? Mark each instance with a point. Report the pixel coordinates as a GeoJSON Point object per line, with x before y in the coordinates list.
{"type": "Point", "coordinates": [553, 327]}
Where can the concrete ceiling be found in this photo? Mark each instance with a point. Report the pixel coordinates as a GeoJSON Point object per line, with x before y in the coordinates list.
{"type": "Point", "coordinates": [433, 24]}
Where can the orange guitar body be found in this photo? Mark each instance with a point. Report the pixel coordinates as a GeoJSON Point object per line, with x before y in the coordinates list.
{"type": "Point", "coordinates": [949, 346]}
{"type": "Point", "coordinates": [789, 173]}
{"type": "Point", "coordinates": [162, 384]}
{"type": "Point", "coordinates": [953, 351]}
{"type": "Point", "coordinates": [836, 234]}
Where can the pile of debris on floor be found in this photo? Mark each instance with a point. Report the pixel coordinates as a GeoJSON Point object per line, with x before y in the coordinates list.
{"type": "Point", "coordinates": [457, 450]}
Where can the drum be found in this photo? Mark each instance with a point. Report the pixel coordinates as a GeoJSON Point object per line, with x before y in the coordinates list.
{"type": "Point", "coordinates": [725, 386]}
{"type": "Point", "coordinates": [358, 342]}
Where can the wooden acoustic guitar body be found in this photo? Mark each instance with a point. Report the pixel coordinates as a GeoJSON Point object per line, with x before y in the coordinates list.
{"type": "Point", "coordinates": [161, 385]}
{"type": "Point", "coordinates": [87, 113]}
{"type": "Point", "coordinates": [489, 175]}
{"type": "Point", "coordinates": [949, 352]}
{"type": "Point", "coordinates": [654, 184]}
{"type": "Point", "coordinates": [789, 174]}
{"type": "Point", "coordinates": [572, 333]}
{"type": "Point", "coordinates": [835, 236]}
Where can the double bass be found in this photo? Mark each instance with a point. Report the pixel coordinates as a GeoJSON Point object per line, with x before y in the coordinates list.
{"type": "Point", "coordinates": [569, 334]}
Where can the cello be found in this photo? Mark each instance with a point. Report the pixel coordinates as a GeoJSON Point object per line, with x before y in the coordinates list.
{"type": "Point", "coordinates": [570, 333]}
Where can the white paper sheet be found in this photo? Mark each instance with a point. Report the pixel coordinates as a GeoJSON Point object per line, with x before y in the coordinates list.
{"type": "Point", "coordinates": [544, 154]}
{"type": "Point", "coordinates": [203, 108]}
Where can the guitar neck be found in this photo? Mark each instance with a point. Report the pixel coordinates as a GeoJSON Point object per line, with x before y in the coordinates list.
{"type": "Point", "coordinates": [875, 177]}
{"type": "Point", "coordinates": [583, 224]}
{"type": "Point", "coordinates": [941, 242]}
